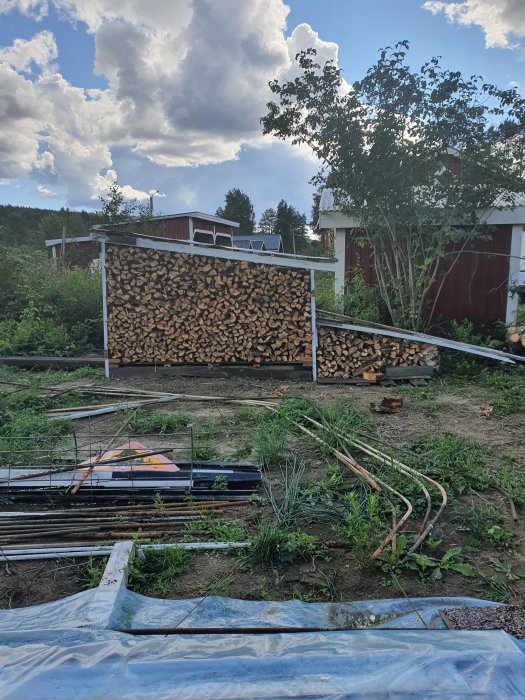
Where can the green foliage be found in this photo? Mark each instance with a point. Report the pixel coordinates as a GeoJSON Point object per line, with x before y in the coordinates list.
{"type": "Point", "coordinates": [464, 333]}
{"type": "Point", "coordinates": [203, 451]}
{"type": "Point", "coordinates": [238, 207]}
{"type": "Point", "coordinates": [275, 544]}
{"type": "Point", "coordinates": [432, 568]}
{"type": "Point", "coordinates": [270, 443]}
{"type": "Point", "coordinates": [484, 523]}
{"type": "Point", "coordinates": [160, 505]}
{"type": "Point", "coordinates": [92, 573]}
{"type": "Point", "coordinates": [268, 221]}
{"type": "Point", "coordinates": [220, 483]}
{"type": "Point", "coordinates": [387, 145]}
{"type": "Point", "coordinates": [218, 529]}
{"type": "Point", "coordinates": [49, 309]}
{"type": "Point", "coordinates": [459, 464]}
{"type": "Point", "coordinates": [154, 573]}
{"type": "Point", "coordinates": [26, 436]}
{"type": "Point", "coordinates": [32, 334]}
{"type": "Point", "coordinates": [291, 225]}
{"type": "Point", "coordinates": [363, 525]}
{"type": "Point", "coordinates": [509, 476]}
{"type": "Point", "coordinates": [324, 291]}
{"type": "Point", "coordinates": [362, 300]}
{"type": "Point", "coordinates": [143, 423]}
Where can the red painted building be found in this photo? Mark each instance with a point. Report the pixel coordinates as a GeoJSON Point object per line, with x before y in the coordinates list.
{"type": "Point", "coordinates": [480, 285]}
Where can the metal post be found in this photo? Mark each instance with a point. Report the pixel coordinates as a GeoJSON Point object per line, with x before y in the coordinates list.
{"type": "Point", "coordinates": [190, 426]}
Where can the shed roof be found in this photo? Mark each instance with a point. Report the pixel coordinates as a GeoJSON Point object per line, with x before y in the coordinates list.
{"type": "Point", "coordinates": [264, 257]}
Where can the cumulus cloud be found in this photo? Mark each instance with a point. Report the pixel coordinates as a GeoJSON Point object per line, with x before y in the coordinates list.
{"type": "Point", "coordinates": [188, 83]}
{"type": "Point", "coordinates": [45, 192]}
{"type": "Point", "coordinates": [40, 50]}
{"type": "Point", "coordinates": [502, 21]}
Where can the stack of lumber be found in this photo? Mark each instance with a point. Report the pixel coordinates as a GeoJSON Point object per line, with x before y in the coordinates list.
{"type": "Point", "coordinates": [178, 308]}
{"type": "Point", "coordinates": [343, 353]}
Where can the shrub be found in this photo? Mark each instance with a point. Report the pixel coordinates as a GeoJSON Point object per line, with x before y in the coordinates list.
{"type": "Point", "coordinates": [32, 334]}
{"type": "Point", "coordinates": [274, 544]}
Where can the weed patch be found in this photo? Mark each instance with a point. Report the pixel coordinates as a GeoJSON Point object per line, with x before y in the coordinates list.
{"type": "Point", "coordinates": [153, 572]}
{"type": "Point", "coordinates": [143, 423]}
{"type": "Point", "coordinates": [458, 464]}
{"type": "Point", "coordinates": [275, 544]}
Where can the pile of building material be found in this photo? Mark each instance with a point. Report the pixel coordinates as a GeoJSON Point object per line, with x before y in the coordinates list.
{"type": "Point", "coordinates": [89, 525]}
{"type": "Point", "coordinates": [344, 353]}
{"type": "Point", "coordinates": [165, 307]}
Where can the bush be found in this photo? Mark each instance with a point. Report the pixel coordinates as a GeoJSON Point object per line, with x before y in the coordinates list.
{"type": "Point", "coordinates": [274, 544]}
{"type": "Point", "coordinates": [47, 309]}
{"type": "Point", "coordinates": [33, 335]}
{"type": "Point", "coordinates": [361, 299]}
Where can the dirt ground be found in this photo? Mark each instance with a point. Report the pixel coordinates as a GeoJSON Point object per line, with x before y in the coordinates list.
{"type": "Point", "coordinates": [336, 576]}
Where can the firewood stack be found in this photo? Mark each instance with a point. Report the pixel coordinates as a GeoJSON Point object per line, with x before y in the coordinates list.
{"type": "Point", "coordinates": [178, 308]}
{"type": "Point", "coordinates": [516, 339]}
{"type": "Point", "coordinates": [343, 353]}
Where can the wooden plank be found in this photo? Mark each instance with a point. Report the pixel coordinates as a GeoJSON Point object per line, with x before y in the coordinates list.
{"type": "Point", "coordinates": [43, 362]}
{"type": "Point", "coordinates": [286, 372]}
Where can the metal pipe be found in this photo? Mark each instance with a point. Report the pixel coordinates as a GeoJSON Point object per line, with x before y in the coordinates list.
{"type": "Point", "coordinates": [103, 551]}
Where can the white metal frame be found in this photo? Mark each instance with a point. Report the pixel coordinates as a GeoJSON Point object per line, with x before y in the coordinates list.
{"type": "Point", "coordinates": [104, 307]}
{"type": "Point", "coordinates": [515, 262]}
{"type": "Point", "coordinates": [203, 249]}
{"type": "Point", "coordinates": [314, 326]}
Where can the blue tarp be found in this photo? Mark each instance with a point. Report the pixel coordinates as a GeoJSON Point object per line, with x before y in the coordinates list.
{"type": "Point", "coordinates": [45, 653]}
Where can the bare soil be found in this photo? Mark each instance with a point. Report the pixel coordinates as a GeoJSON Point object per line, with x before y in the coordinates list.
{"type": "Point", "coordinates": [336, 577]}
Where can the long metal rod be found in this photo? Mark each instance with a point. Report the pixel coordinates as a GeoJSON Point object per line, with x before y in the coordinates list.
{"type": "Point", "coordinates": [104, 551]}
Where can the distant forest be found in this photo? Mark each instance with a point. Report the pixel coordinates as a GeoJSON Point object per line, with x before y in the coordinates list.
{"type": "Point", "coordinates": [30, 226]}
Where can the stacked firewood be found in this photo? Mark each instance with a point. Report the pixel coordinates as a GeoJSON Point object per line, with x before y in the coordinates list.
{"type": "Point", "coordinates": [516, 339]}
{"type": "Point", "coordinates": [343, 353]}
{"type": "Point", "coordinates": [178, 308]}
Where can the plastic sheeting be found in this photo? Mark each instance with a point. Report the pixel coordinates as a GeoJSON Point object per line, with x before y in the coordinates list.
{"type": "Point", "coordinates": [45, 652]}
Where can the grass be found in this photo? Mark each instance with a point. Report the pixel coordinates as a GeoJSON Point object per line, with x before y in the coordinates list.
{"type": "Point", "coordinates": [218, 529]}
{"type": "Point", "coordinates": [459, 464]}
{"type": "Point", "coordinates": [153, 572]}
{"type": "Point", "coordinates": [92, 572]}
{"type": "Point", "coordinates": [155, 422]}
{"type": "Point", "coordinates": [270, 443]}
{"type": "Point", "coordinates": [273, 544]}
{"type": "Point", "coordinates": [27, 437]}
{"type": "Point", "coordinates": [486, 528]}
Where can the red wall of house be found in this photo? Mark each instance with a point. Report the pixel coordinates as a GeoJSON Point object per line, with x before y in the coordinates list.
{"type": "Point", "coordinates": [176, 229]}
{"type": "Point", "coordinates": [475, 288]}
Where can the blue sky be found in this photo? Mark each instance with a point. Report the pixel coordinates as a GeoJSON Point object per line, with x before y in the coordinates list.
{"type": "Point", "coordinates": [167, 95]}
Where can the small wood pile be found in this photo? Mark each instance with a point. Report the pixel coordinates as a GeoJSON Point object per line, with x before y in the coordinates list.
{"type": "Point", "coordinates": [343, 353]}
{"type": "Point", "coordinates": [516, 339]}
{"type": "Point", "coordinates": [175, 308]}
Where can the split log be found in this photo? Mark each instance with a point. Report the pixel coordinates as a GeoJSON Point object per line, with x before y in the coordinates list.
{"type": "Point", "coordinates": [174, 308]}
{"type": "Point", "coordinates": [341, 353]}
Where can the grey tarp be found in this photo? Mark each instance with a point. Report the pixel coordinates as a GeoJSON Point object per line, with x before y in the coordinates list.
{"type": "Point", "coordinates": [45, 652]}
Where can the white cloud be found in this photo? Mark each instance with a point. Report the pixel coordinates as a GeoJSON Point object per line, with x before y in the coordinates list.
{"type": "Point", "coordinates": [41, 49]}
{"type": "Point", "coordinates": [501, 20]}
{"type": "Point", "coordinates": [45, 192]}
{"type": "Point", "coordinates": [103, 182]}
{"type": "Point", "coordinates": [188, 84]}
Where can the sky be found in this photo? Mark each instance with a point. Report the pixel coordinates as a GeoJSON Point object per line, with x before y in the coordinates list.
{"type": "Point", "coordinates": [167, 94]}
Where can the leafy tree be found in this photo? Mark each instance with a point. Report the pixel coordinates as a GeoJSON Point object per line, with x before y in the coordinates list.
{"type": "Point", "coordinates": [316, 199]}
{"type": "Point", "coordinates": [417, 157]}
{"type": "Point", "coordinates": [268, 221]}
{"type": "Point", "coordinates": [116, 209]}
{"type": "Point", "coordinates": [238, 207]}
{"type": "Point", "coordinates": [291, 224]}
